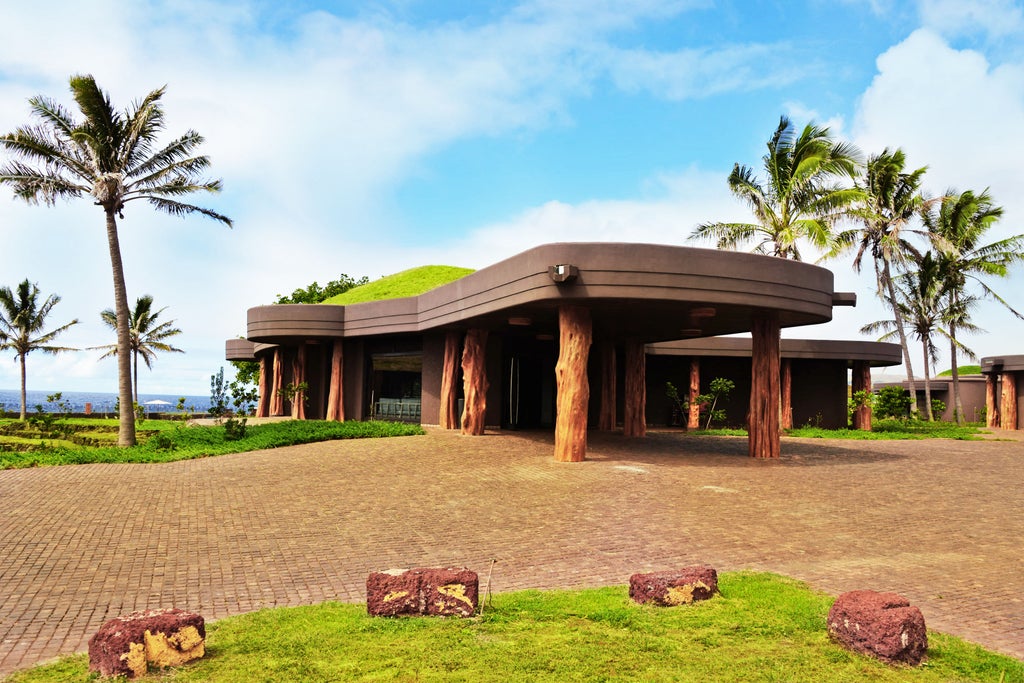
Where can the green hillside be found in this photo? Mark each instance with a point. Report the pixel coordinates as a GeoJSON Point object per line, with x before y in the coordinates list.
{"type": "Point", "coordinates": [407, 283]}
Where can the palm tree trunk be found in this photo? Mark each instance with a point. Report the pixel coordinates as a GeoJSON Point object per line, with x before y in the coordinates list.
{"type": "Point", "coordinates": [24, 399]}
{"type": "Point", "coordinates": [958, 408]}
{"type": "Point", "coordinates": [903, 336]}
{"type": "Point", "coordinates": [126, 422]}
{"type": "Point", "coordinates": [927, 385]}
{"type": "Point", "coordinates": [135, 374]}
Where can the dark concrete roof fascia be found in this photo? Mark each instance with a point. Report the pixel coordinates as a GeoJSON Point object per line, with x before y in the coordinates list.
{"type": "Point", "coordinates": [879, 354]}
{"type": "Point", "coordinates": [239, 349]}
{"type": "Point", "coordinates": [936, 384]}
{"type": "Point", "coordinates": [613, 274]}
{"type": "Point", "coordinates": [999, 364]}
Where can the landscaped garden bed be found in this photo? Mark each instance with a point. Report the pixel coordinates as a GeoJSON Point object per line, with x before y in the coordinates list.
{"type": "Point", "coordinates": [82, 440]}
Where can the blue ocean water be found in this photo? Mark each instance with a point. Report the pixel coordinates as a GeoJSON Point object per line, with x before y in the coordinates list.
{"type": "Point", "coordinates": [102, 403]}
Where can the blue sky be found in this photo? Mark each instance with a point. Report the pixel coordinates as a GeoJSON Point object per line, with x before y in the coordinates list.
{"type": "Point", "coordinates": [369, 137]}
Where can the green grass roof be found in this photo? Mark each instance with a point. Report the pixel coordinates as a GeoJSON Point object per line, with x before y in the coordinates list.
{"type": "Point", "coordinates": [963, 370]}
{"type": "Point", "coordinates": [407, 283]}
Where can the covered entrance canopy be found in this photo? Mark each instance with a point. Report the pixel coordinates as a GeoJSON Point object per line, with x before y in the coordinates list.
{"type": "Point", "coordinates": [617, 297]}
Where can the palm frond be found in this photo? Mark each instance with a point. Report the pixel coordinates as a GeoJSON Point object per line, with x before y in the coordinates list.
{"type": "Point", "coordinates": [181, 209]}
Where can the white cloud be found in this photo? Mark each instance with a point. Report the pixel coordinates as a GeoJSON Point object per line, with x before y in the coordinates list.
{"type": "Point", "coordinates": [801, 115]}
{"type": "Point", "coordinates": [995, 18]}
{"type": "Point", "coordinates": [705, 72]}
{"type": "Point", "coordinates": [964, 118]}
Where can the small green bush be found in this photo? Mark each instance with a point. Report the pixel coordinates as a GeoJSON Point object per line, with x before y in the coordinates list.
{"type": "Point", "coordinates": [892, 401]}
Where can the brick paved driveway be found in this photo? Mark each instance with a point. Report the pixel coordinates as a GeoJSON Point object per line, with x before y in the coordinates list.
{"type": "Point", "coordinates": [939, 521]}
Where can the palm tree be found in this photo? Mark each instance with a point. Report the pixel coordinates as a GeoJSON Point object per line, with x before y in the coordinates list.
{"type": "Point", "coordinates": [22, 319]}
{"type": "Point", "coordinates": [890, 200]}
{"type": "Point", "coordinates": [958, 229]}
{"type": "Point", "coordinates": [800, 200]}
{"type": "Point", "coordinates": [923, 304]}
{"type": "Point", "coordinates": [111, 158]}
{"type": "Point", "coordinates": [147, 337]}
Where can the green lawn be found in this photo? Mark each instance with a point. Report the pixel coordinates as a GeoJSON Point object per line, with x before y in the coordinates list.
{"type": "Point", "coordinates": [167, 441]}
{"type": "Point", "coordinates": [762, 627]}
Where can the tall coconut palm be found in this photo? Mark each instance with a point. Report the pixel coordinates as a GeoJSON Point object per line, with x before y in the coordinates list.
{"type": "Point", "coordinates": [800, 199]}
{"type": "Point", "coordinates": [923, 304]}
{"type": "Point", "coordinates": [958, 226]}
{"type": "Point", "coordinates": [890, 200]}
{"type": "Point", "coordinates": [22, 319]}
{"type": "Point", "coordinates": [111, 158]}
{"type": "Point", "coordinates": [147, 336]}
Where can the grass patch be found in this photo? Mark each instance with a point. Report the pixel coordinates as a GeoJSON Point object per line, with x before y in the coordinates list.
{"type": "Point", "coordinates": [407, 283]}
{"type": "Point", "coordinates": [895, 429]}
{"type": "Point", "coordinates": [177, 442]}
{"type": "Point", "coordinates": [723, 431]}
{"type": "Point", "coordinates": [881, 430]}
{"type": "Point", "coordinates": [762, 627]}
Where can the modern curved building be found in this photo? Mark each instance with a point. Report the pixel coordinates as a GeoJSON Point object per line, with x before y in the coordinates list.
{"type": "Point", "coordinates": [555, 336]}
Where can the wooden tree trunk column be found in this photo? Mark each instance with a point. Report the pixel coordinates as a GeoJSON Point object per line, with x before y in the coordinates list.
{"type": "Point", "coordinates": [1008, 409]}
{"type": "Point", "coordinates": [634, 419]}
{"type": "Point", "coordinates": [861, 381]}
{"type": "Point", "coordinates": [607, 419]}
{"type": "Point", "coordinates": [263, 406]}
{"type": "Point", "coordinates": [787, 393]}
{"type": "Point", "coordinates": [276, 399]}
{"type": "Point", "coordinates": [693, 414]}
{"type": "Point", "coordinates": [336, 393]}
{"type": "Point", "coordinates": [298, 377]}
{"type": "Point", "coordinates": [763, 428]}
{"type": "Point", "coordinates": [474, 382]}
{"type": "Point", "coordinates": [575, 336]}
{"type": "Point", "coordinates": [991, 402]}
{"type": "Point", "coordinates": [448, 417]}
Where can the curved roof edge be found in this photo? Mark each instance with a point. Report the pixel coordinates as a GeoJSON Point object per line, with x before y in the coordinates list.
{"type": "Point", "coordinates": [649, 290]}
{"type": "Point", "coordinates": [997, 364]}
{"type": "Point", "coordinates": [879, 354]}
{"type": "Point", "coordinates": [239, 350]}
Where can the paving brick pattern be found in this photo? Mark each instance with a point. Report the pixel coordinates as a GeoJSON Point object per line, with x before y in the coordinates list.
{"type": "Point", "coordinates": [941, 522]}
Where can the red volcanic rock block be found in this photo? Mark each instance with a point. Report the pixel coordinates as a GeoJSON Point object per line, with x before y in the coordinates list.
{"type": "Point", "coordinates": [425, 591]}
{"type": "Point", "coordinates": [128, 645]}
{"type": "Point", "coordinates": [682, 587]}
{"type": "Point", "coordinates": [882, 625]}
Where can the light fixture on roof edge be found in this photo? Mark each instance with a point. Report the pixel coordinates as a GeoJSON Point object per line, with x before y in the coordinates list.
{"type": "Point", "coordinates": [563, 272]}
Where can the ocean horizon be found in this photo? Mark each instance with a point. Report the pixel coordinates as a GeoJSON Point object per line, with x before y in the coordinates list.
{"type": "Point", "coordinates": [101, 402]}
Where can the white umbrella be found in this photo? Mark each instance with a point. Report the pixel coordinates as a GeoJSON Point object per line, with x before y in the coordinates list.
{"type": "Point", "coordinates": [157, 402]}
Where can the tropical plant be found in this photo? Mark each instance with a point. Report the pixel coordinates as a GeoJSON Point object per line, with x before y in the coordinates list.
{"type": "Point", "coordinates": [958, 226]}
{"type": "Point", "coordinates": [146, 336]}
{"type": "Point", "coordinates": [801, 198]}
{"type": "Point", "coordinates": [314, 293]}
{"type": "Point", "coordinates": [110, 157]}
{"type": "Point", "coordinates": [218, 395]}
{"type": "Point", "coordinates": [22, 323]}
{"type": "Point", "coordinates": [718, 390]}
{"type": "Point", "coordinates": [890, 199]}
